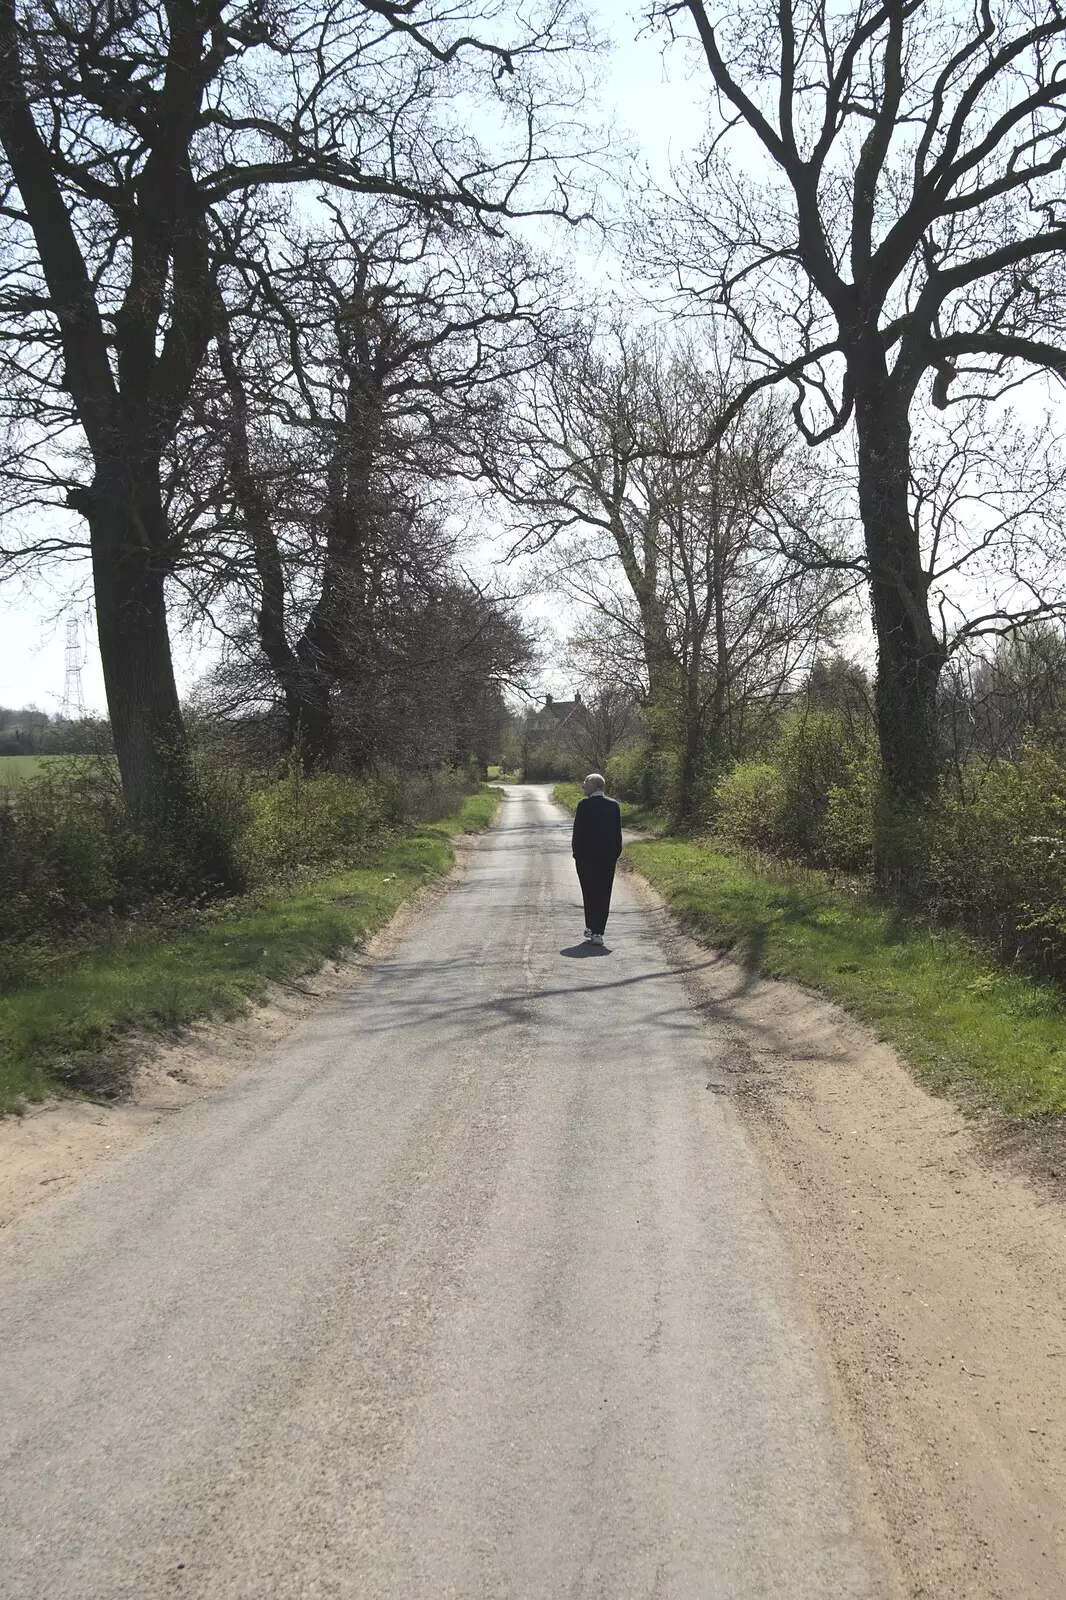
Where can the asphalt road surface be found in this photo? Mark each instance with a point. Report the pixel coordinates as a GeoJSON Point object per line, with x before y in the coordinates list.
{"type": "Point", "coordinates": [470, 1290]}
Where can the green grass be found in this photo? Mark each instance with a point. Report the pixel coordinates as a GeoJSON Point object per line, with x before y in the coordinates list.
{"type": "Point", "coordinates": [965, 1025]}
{"type": "Point", "coordinates": [66, 1035]}
{"type": "Point", "coordinates": [474, 816]}
{"type": "Point", "coordinates": [19, 769]}
{"type": "Point", "coordinates": [641, 818]}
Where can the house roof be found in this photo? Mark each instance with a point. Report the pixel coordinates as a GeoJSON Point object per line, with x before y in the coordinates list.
{"type": "Point", "coordinates": [552, 714]}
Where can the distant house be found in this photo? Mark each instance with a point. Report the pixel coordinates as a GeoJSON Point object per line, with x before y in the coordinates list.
{"type": "Point", "coordinates": [551, 716]}
{"type": "Point", "coordinates": [542, 755]}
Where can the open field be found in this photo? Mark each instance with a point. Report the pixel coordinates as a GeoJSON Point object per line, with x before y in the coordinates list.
{"type": "Point", "coordinates": [65, 1035]}
{"type": "Point", "coordinates": [17, 769]}
{"type": "Point", "coordinates": [20, 769]}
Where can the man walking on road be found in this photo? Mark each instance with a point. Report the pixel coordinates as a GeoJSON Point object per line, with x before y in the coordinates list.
{"type": "Point", "coordinates": [597, 844]}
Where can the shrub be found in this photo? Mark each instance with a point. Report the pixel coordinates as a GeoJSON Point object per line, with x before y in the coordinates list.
{"type": "Point", "coordinates": [429, 796]}
{"type": "Point", "coordinates": [300, 822]}
{"type": "Point", "coordinates": [989, 855]}
{"type": "Point", "coordinates": [812, 800]}
{"type": "Point", "coordinates": [71, 860]}
{"type": "Point", "coordinates": [70, 855]}
{"type": "Point", "coordinates": [998, 857]}
{"type": "Point", "coordinates": [847, 833]}
{"type": "Point", "coordinates": [749, 804]}
{"type": "Point", "coordinates": [61, 844]}
{"type": "Point", "coordinates": [642, 774]}
{"type": "Point", "coordinates": [546, 759]}
{"type": "Point", "coordinates": [993, 857]}
{"type": "Point", "coordinates": [817, 756]}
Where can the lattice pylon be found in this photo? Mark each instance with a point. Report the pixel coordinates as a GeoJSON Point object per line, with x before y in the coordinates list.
{"type": "Point", "coordinates": [73, 706]}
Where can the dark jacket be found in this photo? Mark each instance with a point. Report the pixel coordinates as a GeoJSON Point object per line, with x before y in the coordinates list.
{"type": "Point", "coordinates": [597, 830]}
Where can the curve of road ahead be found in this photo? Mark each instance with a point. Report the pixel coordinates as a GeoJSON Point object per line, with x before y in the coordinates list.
{"type": "Point", "coordinates": [469, 1291]}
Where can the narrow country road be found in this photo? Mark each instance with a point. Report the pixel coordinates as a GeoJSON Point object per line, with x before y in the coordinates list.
{"type": "Point", "coordinates": [470, 1291]}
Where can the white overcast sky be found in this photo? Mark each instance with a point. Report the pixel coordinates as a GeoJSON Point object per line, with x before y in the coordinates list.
{"type": "Point", "coordinates": [650, 98]}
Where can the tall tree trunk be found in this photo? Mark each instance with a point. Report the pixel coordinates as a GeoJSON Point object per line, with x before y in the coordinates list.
{"type": "Point", "coordinates": [306, 688]}
{"type": "Point", "coordinates": [128, 376]}
{"type": "Point", "coordinates": [339, 622]}
{"type": "Point", "coordinates": [309, 710]}
{"type": "Point", "coordinates": [661, 669]}
{"type": "Point", "coordinates": [909, 655]}
{"type": "Point", "coordinates": [306, 692]}
{"type": "Point", "coordinates": [659, 659]}
{"type": "Point", "coordinates": [158, 780]}
{"type": "Point", "coordinates": [718, 743]}
{"type": "Point", "coordinates": [691, 762]}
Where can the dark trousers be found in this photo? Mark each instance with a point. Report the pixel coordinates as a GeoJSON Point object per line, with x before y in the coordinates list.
{"type": "Point", "coordinates": [597, 881]}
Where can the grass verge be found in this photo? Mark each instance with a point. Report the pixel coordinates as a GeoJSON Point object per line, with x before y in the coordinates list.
{"type": "Point", "coordinates": [966, 1026]}
{"type": "Point", "coordinates": [633, 816]}
{"type": "Point", "coordinates": [66, 1036]}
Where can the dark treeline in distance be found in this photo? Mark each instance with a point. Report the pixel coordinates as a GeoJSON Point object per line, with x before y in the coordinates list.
{"type": "Point", "coordinates": [27, 731]}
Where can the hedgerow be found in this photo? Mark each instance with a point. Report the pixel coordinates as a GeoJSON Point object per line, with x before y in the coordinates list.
{"type": "Point", "coordinates": [992, 850]}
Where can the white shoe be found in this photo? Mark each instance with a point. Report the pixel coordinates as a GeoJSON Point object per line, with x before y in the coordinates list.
{"type": "Point", "coordinates": [597, 938]}
{"type": "Point", "coordinates": [587, 933]}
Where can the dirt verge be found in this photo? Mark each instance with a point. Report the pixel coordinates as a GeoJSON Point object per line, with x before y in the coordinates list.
{"type": "Point", "coordinates": [935, 1268]}
{"type": "Point", "coordinates": [58, 1142]}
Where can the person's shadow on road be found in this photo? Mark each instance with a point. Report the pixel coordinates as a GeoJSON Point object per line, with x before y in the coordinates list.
{"type": "Point", "coordinates": [578, 952]}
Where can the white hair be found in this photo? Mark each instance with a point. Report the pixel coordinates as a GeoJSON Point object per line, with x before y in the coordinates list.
{"type": "Point", "coordinates": [593, 782]}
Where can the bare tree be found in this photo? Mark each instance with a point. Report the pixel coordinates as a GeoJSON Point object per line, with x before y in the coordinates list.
{"type": "Point", "coordinates": [358, 381]}
{"type": "Point", "coordinates": [996, 701]}
{"type": "Point", "coordinates": [599, 726]}
{"type": "Point", "coordinates": [678, 534]}
{"type": "Point", "coordinates": [908, 221]}
{"type": "Point", "coordinates": [131, 134]}
{"type": "Point", "coordinates": [424, 687]}
{"type": "Point", "coordinates": [432, 682]}
{"type": "Point", "coordinates": [988, 509]}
